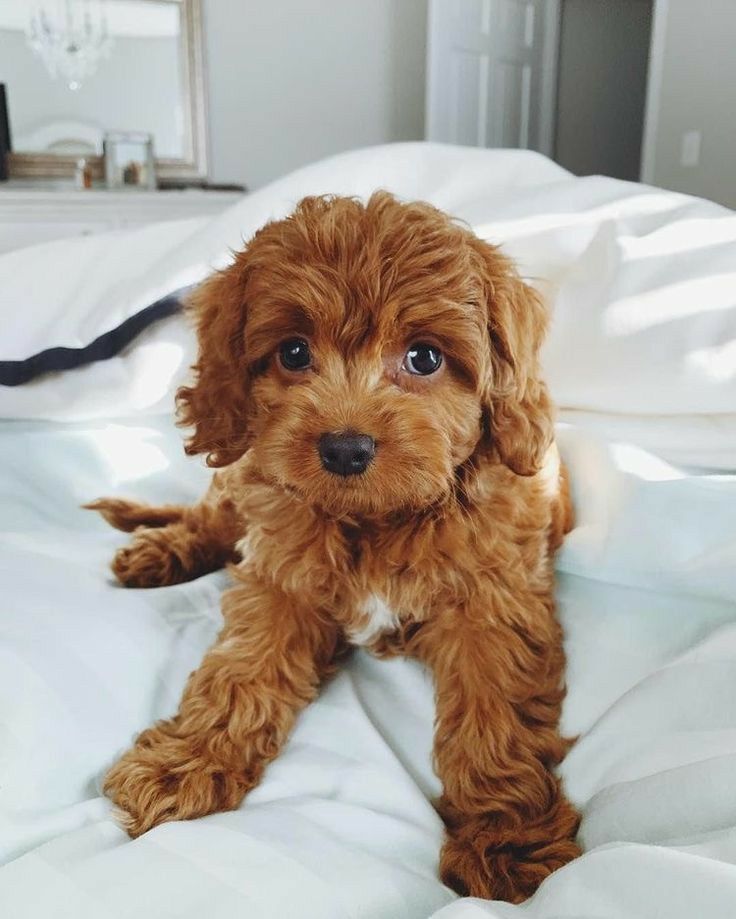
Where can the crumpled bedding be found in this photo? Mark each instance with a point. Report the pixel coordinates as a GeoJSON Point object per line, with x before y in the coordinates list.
{"type": "Point", "coordinates": [641, 359]}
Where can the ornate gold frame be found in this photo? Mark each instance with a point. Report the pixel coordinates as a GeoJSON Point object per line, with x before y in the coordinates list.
{"type": "Point", "coordinates": [192, 167]}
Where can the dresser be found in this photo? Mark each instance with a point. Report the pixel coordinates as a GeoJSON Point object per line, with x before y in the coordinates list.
{"type": "Point", "coordinates": [39, 212]}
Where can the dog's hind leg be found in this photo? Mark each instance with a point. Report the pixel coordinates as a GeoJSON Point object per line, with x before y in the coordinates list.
{"type": "Point", "coordinates": [131, 515]}
{"type": "Point", "coordinates": [172, 543]}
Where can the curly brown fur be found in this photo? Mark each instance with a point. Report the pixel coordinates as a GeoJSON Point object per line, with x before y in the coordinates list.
{"type": "Point", "coordinates": [442, 548]}
{"type": "Point", "coordinates": [172, 543]}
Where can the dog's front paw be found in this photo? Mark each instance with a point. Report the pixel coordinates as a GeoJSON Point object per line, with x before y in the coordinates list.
{"type": "Point", "coordinates": [481, 860]}
{"type": "Point", "coordinates": [149, 561]}
{"type": "Point", "coordinates": [164, 777]}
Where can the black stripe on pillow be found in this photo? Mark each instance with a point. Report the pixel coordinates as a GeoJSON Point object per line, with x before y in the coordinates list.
{"type": "Point", "coordinates": [107, 345]}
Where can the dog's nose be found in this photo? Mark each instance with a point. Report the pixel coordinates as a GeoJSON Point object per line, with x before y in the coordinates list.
{"type": "Point", "coordinates": [347, 453]}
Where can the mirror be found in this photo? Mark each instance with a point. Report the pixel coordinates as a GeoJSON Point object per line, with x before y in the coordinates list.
{"type": "Point", "coordinates": [75, 70]}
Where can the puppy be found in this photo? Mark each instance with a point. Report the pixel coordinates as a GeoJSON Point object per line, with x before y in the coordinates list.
{"type": "Point", "coordinates": [368, 382]}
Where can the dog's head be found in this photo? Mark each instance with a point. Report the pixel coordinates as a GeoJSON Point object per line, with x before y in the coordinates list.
{"type": "Point", "coordinates": [364, 353]}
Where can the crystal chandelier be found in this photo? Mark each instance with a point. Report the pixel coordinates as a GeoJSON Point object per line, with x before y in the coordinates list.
{"type": "Point", "coordinates": [70, 37]}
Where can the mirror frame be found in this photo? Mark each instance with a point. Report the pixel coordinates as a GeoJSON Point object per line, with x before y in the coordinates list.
{"type": "Point", "coordinates": [188, 169]}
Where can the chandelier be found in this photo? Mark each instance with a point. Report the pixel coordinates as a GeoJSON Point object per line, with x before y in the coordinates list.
{"type": "Point", "coordinates": [70, 37]}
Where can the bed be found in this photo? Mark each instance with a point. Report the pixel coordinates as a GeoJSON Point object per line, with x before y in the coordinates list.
{"type": "Point", "coordinates": [642, 362]}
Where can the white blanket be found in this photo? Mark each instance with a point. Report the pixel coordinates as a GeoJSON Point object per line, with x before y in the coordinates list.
{"type": "Point", "coordinates": [641, 357]}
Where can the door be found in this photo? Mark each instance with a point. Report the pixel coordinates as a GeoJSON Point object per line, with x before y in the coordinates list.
{"type": "Point", "coordinates": [491, 72]}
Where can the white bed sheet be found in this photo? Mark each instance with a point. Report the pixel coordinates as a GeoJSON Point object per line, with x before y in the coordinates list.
{"type": "Point", "coordinates": [342, 825]}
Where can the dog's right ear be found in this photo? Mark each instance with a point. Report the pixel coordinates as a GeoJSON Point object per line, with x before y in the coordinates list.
{"type": "Point", "coordinates": [216, 405]}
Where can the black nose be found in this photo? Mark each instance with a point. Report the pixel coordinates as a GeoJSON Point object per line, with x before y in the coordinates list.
{"type": "Point", "coordinates": [346, 454]}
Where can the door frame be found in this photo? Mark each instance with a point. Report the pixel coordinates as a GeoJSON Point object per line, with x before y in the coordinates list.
{"type": "Point", "coordinates": [550, 70]}
{"type": "Point", "coordinates": [655, 70]}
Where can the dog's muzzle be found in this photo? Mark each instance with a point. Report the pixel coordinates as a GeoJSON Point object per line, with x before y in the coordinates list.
{"type": "Point", "coordinates": [346, 453]}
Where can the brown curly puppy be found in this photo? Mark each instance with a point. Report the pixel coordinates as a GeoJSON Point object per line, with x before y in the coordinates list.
{"type": "Point", "coordinates": [368, 376]}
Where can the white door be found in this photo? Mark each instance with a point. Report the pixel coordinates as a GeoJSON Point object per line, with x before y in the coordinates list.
{"type": "Point", "coordinates": [491, 72]}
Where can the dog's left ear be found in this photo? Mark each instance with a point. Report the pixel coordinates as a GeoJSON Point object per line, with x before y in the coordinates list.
{"type": "Point", "coordinates": [517, 406]}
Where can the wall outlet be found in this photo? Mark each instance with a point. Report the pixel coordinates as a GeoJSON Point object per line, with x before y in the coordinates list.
{"type": "Point", "coordinates": [690, 149]}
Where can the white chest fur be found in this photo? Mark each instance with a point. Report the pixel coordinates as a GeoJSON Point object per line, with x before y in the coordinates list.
{"type": "Point", "coordinates": [374, 618]}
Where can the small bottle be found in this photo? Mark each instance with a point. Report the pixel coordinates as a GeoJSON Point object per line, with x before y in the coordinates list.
{"type": "Point", "coordinates": [83, 174]}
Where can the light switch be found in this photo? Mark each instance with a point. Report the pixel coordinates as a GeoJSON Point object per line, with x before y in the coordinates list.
{"type": "Point", "coordinates": [690, 150]}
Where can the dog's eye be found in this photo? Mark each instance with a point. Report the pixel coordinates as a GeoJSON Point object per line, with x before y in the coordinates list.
{"type": "Point", "coordinates": [295, 354]}
{"type": "Point", "coordinates": [422, 359]}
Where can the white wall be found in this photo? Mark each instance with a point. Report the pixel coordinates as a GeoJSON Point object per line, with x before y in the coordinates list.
{"type": "Point", "coordinates": [697, 93]}
{"type": "Point", "coordinates": [291, 81]}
